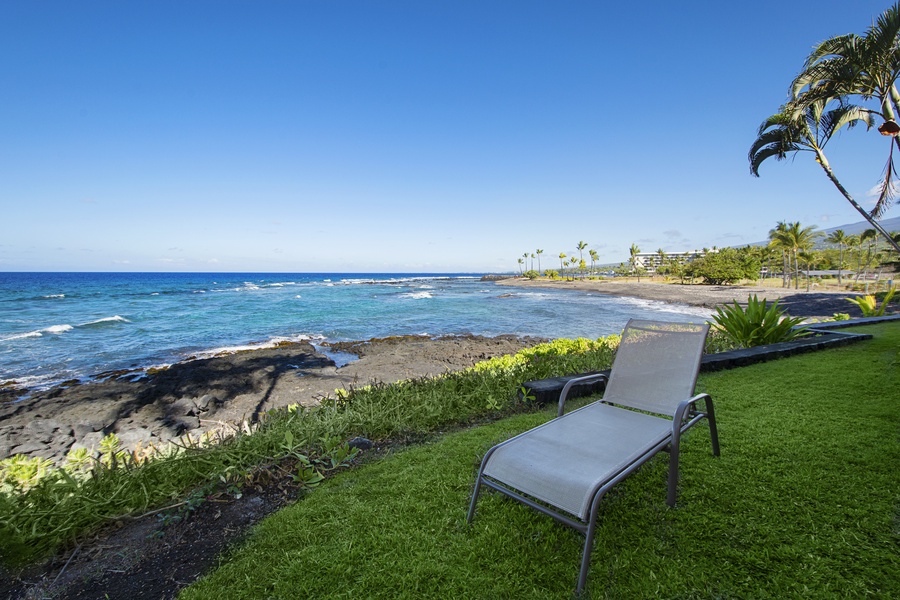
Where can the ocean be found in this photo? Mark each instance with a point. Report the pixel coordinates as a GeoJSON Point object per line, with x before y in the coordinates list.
{"type": "Point", "coordinates": [62, 326]}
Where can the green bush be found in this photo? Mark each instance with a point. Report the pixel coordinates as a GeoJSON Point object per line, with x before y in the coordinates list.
{"type": "Point", "coordinates": [869, 304]}
{"type": "Point", "coordinates": [757, 325]}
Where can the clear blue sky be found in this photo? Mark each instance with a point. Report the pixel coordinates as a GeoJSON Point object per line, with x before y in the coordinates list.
{"type": "Point", "coordinates": [402, 136]}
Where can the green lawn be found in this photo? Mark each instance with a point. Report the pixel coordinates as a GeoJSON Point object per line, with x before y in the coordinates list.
{"type": "Point", "coordinates": [803, 503]}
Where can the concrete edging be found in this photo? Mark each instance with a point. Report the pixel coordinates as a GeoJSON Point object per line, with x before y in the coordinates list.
{"type": "Point", "coordinates": [548, 390]}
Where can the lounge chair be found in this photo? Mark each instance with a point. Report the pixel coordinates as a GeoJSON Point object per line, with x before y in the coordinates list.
{"type": "Point", "coordinates": [564, 467]}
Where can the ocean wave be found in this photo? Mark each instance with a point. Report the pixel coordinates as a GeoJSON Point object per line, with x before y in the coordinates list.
{"type": "Point", "coordinates": [53, 330]}
{"type": "Point", "coordinates": [270, 343]}
{"type": "Point", "coordinates": [417, 295]}
{"type": "Point", "coordinates": [61, 329]}
{"type": "Point", "coordinates": [49, 296]}
{"type": "Point", "coordinates": [666, 307]}
{"type": "Point", "coordinates": [105, 321]}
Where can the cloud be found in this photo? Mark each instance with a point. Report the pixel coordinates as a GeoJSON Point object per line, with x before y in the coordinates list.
{"type": "Point", "coordinates": [874, 192]}
{"type": "Point", "coordinates": [213, 260]}
{"type": "Point", "coordinates": [170, 260]}
{"type": "Point", "coordinates": [672, 233]}
{"type": "Point", "coordinates": [122, 262]}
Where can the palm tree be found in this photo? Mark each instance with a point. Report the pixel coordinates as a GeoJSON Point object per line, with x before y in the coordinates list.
{"type": "Point", "coordinates": [870, 236]}
{"type": "Point", "coordinates": [562, 264]}
{"type": "Point", "coordinates": [520, 265]}
{"type": "Point", "coordinates": [865, 67]}
{"type": "Point", "coordinates": [778, 241]}
{"type": "Point", "coordinates": [634, 251]}
{"type": "Point", "coordinates": [792, 238]}
{"type": "Point", "coordinates": [532, 261]}
{"type": "Point", "coordinates": [839, 70]}
{"type": "Point", "coordinates": [594, 258]}
{"type": "Point", "coordinates": [840, 238]}
{"type": "Point", "coordinates": [539, 252]}
{"type": "Point", "coordinates": [573, 261]}
{"type": "Point", "coordinates": [808, 258]}
{"type": "Point", "coordinates": [855, 242]}
{"type": "Point", "coordinates": [662, 257]}
{"type": "Point", "coordinates": [581, 246]}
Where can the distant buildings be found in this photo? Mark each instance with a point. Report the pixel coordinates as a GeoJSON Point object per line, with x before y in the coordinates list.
{"type": "Point", "coordinates": [650, 261]}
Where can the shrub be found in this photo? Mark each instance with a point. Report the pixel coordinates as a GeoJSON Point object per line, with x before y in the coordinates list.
{"type": "Point", "coordinates": [869, 304]}
{"type": "Point", "coordinates": [757, 325]}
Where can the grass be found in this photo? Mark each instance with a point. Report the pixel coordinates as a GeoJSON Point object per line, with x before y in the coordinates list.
{"type": "Point", "coordinates": [43, 509]}
{"type": "Point", "coordinates": [803, 503]}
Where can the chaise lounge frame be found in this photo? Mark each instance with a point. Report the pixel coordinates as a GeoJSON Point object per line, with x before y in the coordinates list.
{"type": "Point", "coordinates": [636, 419]}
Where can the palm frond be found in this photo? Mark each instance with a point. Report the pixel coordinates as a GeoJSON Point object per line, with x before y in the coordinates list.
{"type": "Point", "coordinates": [887, 187]}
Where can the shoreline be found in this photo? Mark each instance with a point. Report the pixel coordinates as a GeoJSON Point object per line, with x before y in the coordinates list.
{"type": "Point", "coordinates": [797, 303]}
{"type": "Point", "coordinates": [223, 392]}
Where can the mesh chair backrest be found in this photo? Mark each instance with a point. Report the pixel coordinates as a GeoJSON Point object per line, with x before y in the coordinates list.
{"type": "Point", "coordinates": [656, 365]}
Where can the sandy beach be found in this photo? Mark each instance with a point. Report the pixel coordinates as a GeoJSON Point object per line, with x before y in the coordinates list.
{"type": "Point", "coordinates": [795, 302]}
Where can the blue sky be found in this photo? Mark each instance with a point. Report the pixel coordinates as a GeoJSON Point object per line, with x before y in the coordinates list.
{"type": "Point", "coordinates": [375, 136]}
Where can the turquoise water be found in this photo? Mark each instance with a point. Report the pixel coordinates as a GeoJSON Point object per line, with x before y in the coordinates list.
{"type": "Point", "coordinates": [60, 326]}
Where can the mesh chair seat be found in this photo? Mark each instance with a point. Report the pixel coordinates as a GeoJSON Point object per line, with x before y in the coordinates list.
{"type": "Point", "coordinates": [564, 467]}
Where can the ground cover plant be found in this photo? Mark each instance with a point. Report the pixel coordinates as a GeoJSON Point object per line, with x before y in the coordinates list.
{"type": "Point", "coordinates": [803, 502]}
{"type": "Point", "coordinates": [43, 508]}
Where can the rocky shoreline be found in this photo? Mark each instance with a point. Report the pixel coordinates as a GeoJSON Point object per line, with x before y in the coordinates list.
{"type": "Point", "coordinates": [220, 392]}
{"type": "Point", "coordinates": [155, 407]}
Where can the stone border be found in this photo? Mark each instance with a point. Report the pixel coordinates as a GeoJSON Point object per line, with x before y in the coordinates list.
{"type": "Point", "coordinates": [548, 390]}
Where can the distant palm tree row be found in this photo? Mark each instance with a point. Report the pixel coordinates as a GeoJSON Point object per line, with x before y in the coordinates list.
{"type": "Point", "coordinates": [796, 244]}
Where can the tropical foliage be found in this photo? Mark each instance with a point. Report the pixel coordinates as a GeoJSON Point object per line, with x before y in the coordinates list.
{"type": "Point", "coordinates": [869, 304]}
{"type": "Point", "coordinates": [840, 72]}
{"type": "Point", "coordinates": [726, 266]}
{"type": "Point", "coordinates": [757, 325]}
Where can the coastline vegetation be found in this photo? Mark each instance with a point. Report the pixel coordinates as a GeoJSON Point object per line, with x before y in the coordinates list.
{"type": "Point", "coordinates": [44, 508]}
{"type": "Point", "coordinates": [794, 253]}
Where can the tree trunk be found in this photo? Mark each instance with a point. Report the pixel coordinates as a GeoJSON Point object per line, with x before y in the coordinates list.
{"type": "Point", "coordinates": [874, 222]}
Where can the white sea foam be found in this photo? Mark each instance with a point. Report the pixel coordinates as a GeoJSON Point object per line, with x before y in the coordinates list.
{"type": "Point", "coordinates": [21, 336]}
{"type": "Point", "coordinates": [270, 343]}
{"type": "Point", "coordinates": [105, 320]}
{"type": "Point", "coordinates": [57, 329]}
{"type": "Point", "coordinates": [417, 295]}
{"type": "Point", "coordinates": [666, 307]}
{"type": "Point", "coordinates": [55, 296]}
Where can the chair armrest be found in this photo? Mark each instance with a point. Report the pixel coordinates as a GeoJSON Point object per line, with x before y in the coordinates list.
{"type": "Point", "coordinates": [575, 381]}
{"type": "Point", "coordinates": [685, 405]}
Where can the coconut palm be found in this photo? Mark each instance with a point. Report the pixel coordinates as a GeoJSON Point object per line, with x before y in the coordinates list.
{"type": "Point", "coordinates": [840, 238]}
{"type": "Point", "coordinates": [594, 258]}
{"type": "Point", "coordinates": [634, 251]}
{"type": "Point", "coordinates": [838, 71]}
{"type": "Point", "coordinates": [539, 252]}
{"type": "Point", "coordinates": [521, 261]}
{"type": "Point", "coordinates": [581, 246]}
{"type": "Point", "coordinates": [792, 239]}
{"type": "Point", "coordinates": [778, 241]}
{"type": "Point", "coordinates": [855, 242]}
{"type": "Point", "coordinates": [869, 237]}
{"type": "Point", "coordinates": [864, 67]}
{"type": "Point", "coordinates": [562, 264]}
